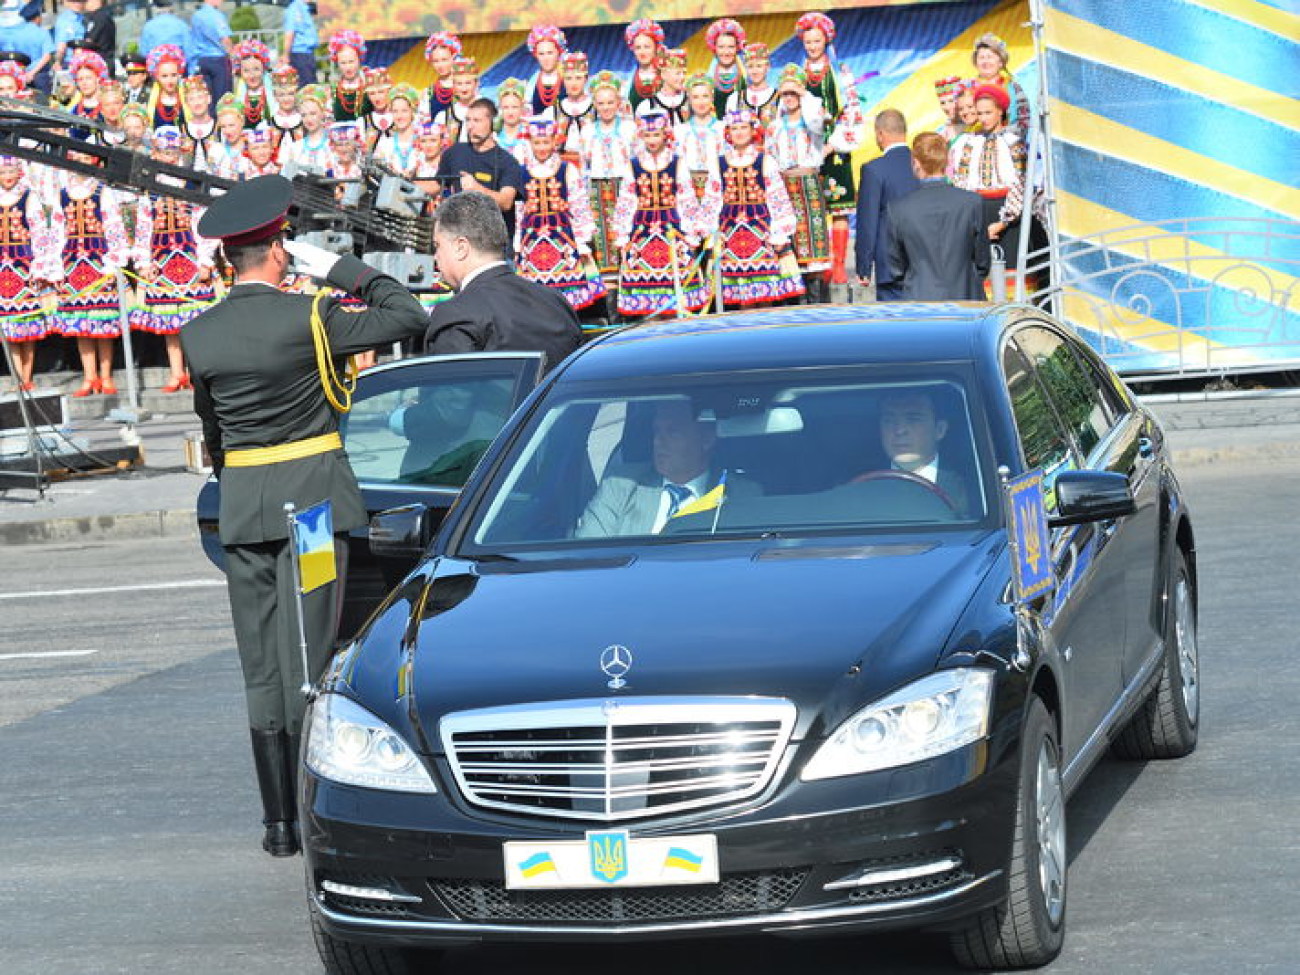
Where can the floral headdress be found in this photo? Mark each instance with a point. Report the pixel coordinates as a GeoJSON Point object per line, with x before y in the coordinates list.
{"type": "Point", "coordinates": [91, 60]}
{"type": "Point", "coordinates": [16, 71]}
{"type": "Point", "coordinates": [720, 28]}
{"type": "Point", "coordinates": [442, 38]}
{"type": "Point", "coordinates": [194, 82]}
{"type": "Point", "coordinates": [263, 135]}
{"type": "Point", "coordinates": [253, 48]}
{"type": "Point", "coordinates": [341, 39]}
{"type": "Point", "coordinates": [285, 76]}
{"type": "Point", "coordinates": [605, 79]}
{"type": "Point", "coordinates": [574, 61]}
{"type": "Point", "coordinates": [344, 133]}
{"type": "Point", "coordinates": [229, 104]}
{"type": "Point", "coordinates": [792, 75]}
{"type": "Point", "coordinates": [755, 51]}
{"type": "Point", "coordinates": [947, 86]}
{"type": "Point", "coordinates": [404, 92]}
{"type": "Point", "coordinates": [673, 57]}
{"type": "Point", "coordinates": [695, 80]}
{"type": "Point", "coordinates": [540, 125]}
{"type": "Point", "coordinates": [464, 64]}
{"type": "Point", "coordinates": [427, 129]}
{"type": "Point", "coordinates": [995, 44]}
{"type": "Point", "coordinates": [164, 54]}
{"type": "Point", "coordinates": [656, 120]}
{"type": "Point", "coordinates": [742, 116]}
{"type": "Point", "coordinates": [644, 26]}
{"type": "Point", "coordinates": [816, 21]}
{"type": "Point", "coordinates": [135, 110]}
{"type": "Point", "coordinates": [512, 86]}
{"type": "Point", "coordinates": [319, 93]}
{"type": "Point", "coordinates": [166, 137]}
{"type": "Point", "coordinates": [547, 32]}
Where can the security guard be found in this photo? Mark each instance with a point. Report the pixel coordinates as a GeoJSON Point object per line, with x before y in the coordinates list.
{"type": "Point", "coordinates": [263, 365]}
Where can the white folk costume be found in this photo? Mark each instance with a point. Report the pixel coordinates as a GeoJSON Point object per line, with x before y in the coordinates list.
{"type": "Point", "coordinates": [606, 150]}
{"type": "Point", "coordinates": [25, 254]}
{"type": "Point", "coordinates": [795, 144]}
{"type": "Point", "coordinates": [89, 244]}
{"type": "Point", "coordinates": [167, 245]}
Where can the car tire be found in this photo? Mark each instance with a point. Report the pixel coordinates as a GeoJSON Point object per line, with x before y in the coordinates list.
{"type": "Point", "coordinates": [1028, 928]}
{"type": "Point", "coordinates": [351, 958]}
{"type": "Point", "coordinates": [1166, 725]}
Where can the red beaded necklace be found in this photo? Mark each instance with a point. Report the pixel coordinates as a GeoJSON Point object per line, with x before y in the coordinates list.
{"type": "Point", "coordinates": [253, 108]}
{"type": "Point", "coordinates": [349, 99]}
{"type": "Point", "coordinates": [643, 89]}
{"type": "Point", "coordinates": [167, 113]}
{"type": "Point", "coordinates": [547, 93]}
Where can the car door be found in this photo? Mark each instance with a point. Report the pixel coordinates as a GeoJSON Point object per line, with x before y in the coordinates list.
{"type": "Point", "coordinates": [415, 431]}
{"type": "Point", "coordinates": [1083, 612]}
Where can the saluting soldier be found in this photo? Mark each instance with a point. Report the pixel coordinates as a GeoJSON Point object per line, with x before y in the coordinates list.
{"type": "Point", "coordinates": [272, 426]}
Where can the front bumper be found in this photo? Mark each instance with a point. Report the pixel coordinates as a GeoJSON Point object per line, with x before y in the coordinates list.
{"type": "Point", "coordinates": [929, 842]}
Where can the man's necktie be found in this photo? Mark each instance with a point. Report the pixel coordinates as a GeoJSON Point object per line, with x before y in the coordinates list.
{"type": "Point", "coordinates": [678, 495]}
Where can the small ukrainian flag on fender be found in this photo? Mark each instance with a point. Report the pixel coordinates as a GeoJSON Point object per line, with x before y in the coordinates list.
{"type": "Point", "coordinates": [313, 538]}
{"type": "Point", "coordinates": [707, 501]}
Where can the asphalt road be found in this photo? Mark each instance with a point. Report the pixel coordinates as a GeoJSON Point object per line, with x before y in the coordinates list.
{"type": "Point", "coordinates": [129, 819]}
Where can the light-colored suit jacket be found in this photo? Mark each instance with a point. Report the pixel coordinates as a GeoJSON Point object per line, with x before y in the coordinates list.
{"type": "Point", "coordinates": [627, 501]}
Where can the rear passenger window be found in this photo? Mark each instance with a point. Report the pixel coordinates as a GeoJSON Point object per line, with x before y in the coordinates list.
{"type": "Point", "coordinates": [1071, 385]}
{"type": "Point", "coordinates": [1042, 439]}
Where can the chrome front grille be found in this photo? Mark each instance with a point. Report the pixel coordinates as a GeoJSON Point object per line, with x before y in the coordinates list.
{"type": "Point", "coordinates": [617, 759]}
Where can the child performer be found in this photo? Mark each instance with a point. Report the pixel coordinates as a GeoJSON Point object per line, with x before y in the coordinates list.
{"type": "Point", "coordinates": [659, 223]}
{"type": "Point", "coordinates": [311, 150]}
{"type": "Point", "coordinates": [226, 151]}
{"type": "Point", "coordinates": [947, 91]}
{"type": "Point", "coordinates": [346, 140]}
{"type": "Point", "coordinates": [555, 225]}
{"type": "Point", "coordinates": [284, 88]}
{"type": "Point", "coordinates": [699, 138]}
{"type": "Point", "coordinates": [379, 119]}
{"type": "Point", "coordinates": [843, 126]}
{"type": "Point", "coordinates": [253, 58]}
{"type": "Point", "coordinates": [671, 96]}
{"type": "Point", "coordinates": [88, 244]}
{"type": "Point", "coordinates": [439, 50]}
{"type": "Point", "coordinates": [346, 50]}
{"type": "Point", "coordinates": [464, 81]}
{"type": "Point", "coordinates": [754, 219]}
{"type": "Point", "coordinates": [166, 65]}
{"type": "Point", "coordinates": [88, 71]}
{"type": "Point", "coordinates": [576, 107]}
{"type": "Point", "coordinates": [795, 142]}
{"type": "Point", "coordinates": [174, 262]}
{"type": "Point", "coordinates": [645, 39]}
{"type": "Point", "coordinates": [429, 138]}
{"type": "Point", "coordinates": [25, 251]}
{"type": "Point", "coordinates": [512, 134]}
{"type": "Point", "coordinates": [197, 123]}
{"type": "Point", "coordinates": [759, 94]}
{"type": "Point", "coordinates": [259, 153]}
{"type": "Point", "coordinates": [135, 127]}
{"type": "Point", "coordinates": [112, 101]}
{"type": "Point", "coordinates": [546, 43]}
{"type": "Point", "coordinates": [725, 38]}
{"type": "Point", "coordinates": [398, 150]}
{"type": "Point", "coordinates": [606, 145]}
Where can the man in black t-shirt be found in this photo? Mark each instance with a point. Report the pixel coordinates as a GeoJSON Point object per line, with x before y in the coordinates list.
{"type": "Point", "coordinates": [101, 30]}
{"type": "Point", "coordinates": [483, 166]}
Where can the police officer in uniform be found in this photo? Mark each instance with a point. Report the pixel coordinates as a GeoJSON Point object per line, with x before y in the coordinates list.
{"type": "Point", "coordinates": [273, 434]}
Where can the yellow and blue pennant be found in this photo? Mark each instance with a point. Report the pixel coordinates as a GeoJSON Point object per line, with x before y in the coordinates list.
{"type": "Point", "coordinates": [537, 864]}
{"type": "Point", "coordinates": [683, 859]}
{"type": "Point", "coordinates": [707, 501]}
{"type": "Point", "coordinates": [313, 538]}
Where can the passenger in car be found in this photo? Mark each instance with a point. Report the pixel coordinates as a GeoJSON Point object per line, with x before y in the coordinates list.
{"type": "Point", "coordinates": [641, 498]}
{"type": "Point", "coordinates": [911, 432]}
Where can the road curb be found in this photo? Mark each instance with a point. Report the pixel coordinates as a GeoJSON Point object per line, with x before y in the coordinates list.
{"type": "Point", "coordinates": [99, 528]}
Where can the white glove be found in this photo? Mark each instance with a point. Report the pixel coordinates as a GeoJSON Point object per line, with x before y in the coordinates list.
{"type": "Point", "coordinates": [315, 262]}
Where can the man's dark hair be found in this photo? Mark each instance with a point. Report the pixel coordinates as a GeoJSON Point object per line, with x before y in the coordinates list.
{"type": "Point", "coordinates": [244, 257]}
{"type": "Point", "coordinates": [477, 218]}
{"type": "Point", "coordinates": [487, 103]}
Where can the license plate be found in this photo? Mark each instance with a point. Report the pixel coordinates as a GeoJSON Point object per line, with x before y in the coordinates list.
{"type": "Point", "coordinates": [612, 858]}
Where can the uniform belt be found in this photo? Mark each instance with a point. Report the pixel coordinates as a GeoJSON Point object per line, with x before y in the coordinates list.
{"type": "Point", "coordinates": [256, 456]}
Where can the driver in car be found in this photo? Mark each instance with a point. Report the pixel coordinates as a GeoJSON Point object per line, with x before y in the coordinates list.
{"type": "Point", "coordinates": [911, 431]}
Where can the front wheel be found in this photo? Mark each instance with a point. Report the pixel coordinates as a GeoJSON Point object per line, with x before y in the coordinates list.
{"type": "Point", "coordinates": [1027, 929]}
{"type": "Point", "coordinates": [349, 958]}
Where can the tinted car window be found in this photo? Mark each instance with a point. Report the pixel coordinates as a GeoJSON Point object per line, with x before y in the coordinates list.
{"type": "Point", "coordinates": [429, 427]}
{"type": "Point", "coordinates": [759, 454]}
{"type": "Point", "coordinates": [1072, 386]}
{"type": "Point", "coordinates": [1042, 438]}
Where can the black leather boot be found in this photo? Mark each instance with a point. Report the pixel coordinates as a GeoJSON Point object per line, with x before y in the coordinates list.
{"type": "Point", "coordinates": [270, 758]}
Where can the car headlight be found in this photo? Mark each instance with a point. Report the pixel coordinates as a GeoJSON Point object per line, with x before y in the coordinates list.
{"type": "Point", "coordinates": [348, 744]}
{"type": "Point", "coordinates": [929, 717]}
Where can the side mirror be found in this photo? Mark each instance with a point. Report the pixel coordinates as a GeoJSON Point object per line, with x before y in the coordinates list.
{"type": "Point", "coordinates": [401, 533]}
{"type": "Point", "coordinates": [1084, 496]}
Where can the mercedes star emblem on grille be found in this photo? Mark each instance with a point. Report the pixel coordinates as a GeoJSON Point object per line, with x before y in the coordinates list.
{"type": "Point", "coordinates": [616, 661]}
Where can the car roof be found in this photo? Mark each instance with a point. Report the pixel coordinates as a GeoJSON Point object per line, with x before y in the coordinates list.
{"type": "Point", "coordinates": [793, 337]}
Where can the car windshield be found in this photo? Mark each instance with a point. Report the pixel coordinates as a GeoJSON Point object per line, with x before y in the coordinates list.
{"type": "Point", "coordinates": [737, 454]}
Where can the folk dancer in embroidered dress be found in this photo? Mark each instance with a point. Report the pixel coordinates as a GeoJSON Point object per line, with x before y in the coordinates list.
{"type": "Point", "coordinates": [991, 162]}
{"type": "Point", "coordinates": [947, 91]}
{"type": "Point", "coordinates": [795, 141]}
{"type": "Point", "coordinates": [227, 149]}
{"type": "Point", "coordinates": [439, 51]}
{"type": "Point", "coordinates": [398, 150]}
{"type": "Point", "coordinates": [259, 153]}
{"type": "Point", "coordinates": [175, 264]}
{"type": "Point", "coordinates": [253, 59]}
{"type": "Point", "coordinates": [759, 94]}
{"type": "Point", "coordinates": [166, 65]}
{"type": "Point", "coordinates": [576, 108]}
{"type": "Point", "coordinates": [310, 151]}
{"type": "Point", "coordinates": [671, 96]}
{"type": "Point", "coordinates": [990, 58]}
{"type": "Point", "coordinates": [13, 76]}
{"type": "Point", "coordinates": [547, 44]}
{"type": "Point", "coordinates": [835, 87]}
{"type": "Point", "coordinates": [659, 223]}
{"type": "Point", "coordinates": [645, 39]}
{"type": "Point", "coordinates": [464, 81]}
{"type": "Point", "coordinates": [89, 70]}
{"type": "Point", "coordinates": [429, 147]}
{"type": "Point", "coordinates": [511, 132]}
{"type": "Point", "coordinates": [88, 244]}
{"type": "Point", "coordinates": [379, 119]}
{"type": "Point", "coordinates": [285, 115]}
{"type": "Point", "coordinates": [347, 48]}
{"type": "Point", "coordinates": [748, 204]}
{"type": "Point", "coordinates": [606, 147]}
{"type": "Point", "coordinates": [346, 141]}
{"type": "Point", "coordinates": [197, 124]}
{"type": "Point", "coordinates": [699, 139]}
{"type": "Point", "coordinates": [725, 39]}
{"type": "Point", "coordinates": [554, 227]}
{"type": "Point", "coordinates": [25, 253]}
{"type": "Point", "coordinates": [111, 105]}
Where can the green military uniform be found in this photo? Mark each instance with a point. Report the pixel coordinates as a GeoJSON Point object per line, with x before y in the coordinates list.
{"type": "Point", "coordinates": [253, 365]}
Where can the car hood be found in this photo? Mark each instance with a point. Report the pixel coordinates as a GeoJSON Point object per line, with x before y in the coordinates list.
{"type": "Point", "coordinates": [810, 624]}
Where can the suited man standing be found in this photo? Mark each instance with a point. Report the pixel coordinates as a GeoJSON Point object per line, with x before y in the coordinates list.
{"type": "Point", "coordinates": [494, 308]}
{"type": "Point", "coordinates": [938, 246]}
{"type": "Point", "coordinates": [272, 427]}
{"type": "Point", "coordinates": [887, 178]}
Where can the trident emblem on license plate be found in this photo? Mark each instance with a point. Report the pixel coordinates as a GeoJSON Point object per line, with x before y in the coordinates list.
{"type": "Point", "coordinates": [608, 855]}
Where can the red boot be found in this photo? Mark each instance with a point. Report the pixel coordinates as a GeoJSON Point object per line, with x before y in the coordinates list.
{"type": "Point", "coordinates": [839, 250]}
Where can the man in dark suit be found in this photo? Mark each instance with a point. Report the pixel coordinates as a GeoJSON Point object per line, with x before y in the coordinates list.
{"type": "Point", "coordinates": [494, 308]}
{"type": "Point", "coordinates": [883, 180]}
{"type": "Point", "coordinates": [912, 433]}
{"type": "Point", "coordinates": [272, 429]}
{"type": "Point", "coordinates": [938, 245]}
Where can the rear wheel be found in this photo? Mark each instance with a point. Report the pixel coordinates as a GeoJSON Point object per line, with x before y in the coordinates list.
{"type": "Point", "coordinates": [1166, 725]}
{"type": "Point", "coordinates": [350, 958]}
{"type": "Point", "coordinates": [1027, 929]}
